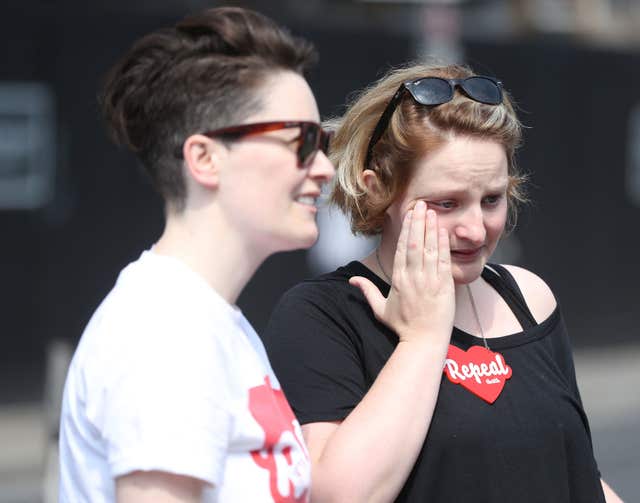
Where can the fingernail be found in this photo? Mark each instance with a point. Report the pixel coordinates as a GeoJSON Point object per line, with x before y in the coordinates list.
{"type": "Point", "coordinates": [420, 205]}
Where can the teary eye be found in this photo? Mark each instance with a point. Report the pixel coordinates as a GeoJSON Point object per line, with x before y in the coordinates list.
{"type": "Point", "coordinates": [493, 199]}
{"type": "Point", "coordinates": [447, 204]}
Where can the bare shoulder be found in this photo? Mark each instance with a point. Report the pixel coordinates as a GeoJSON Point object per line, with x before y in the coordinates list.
{"type": "Point", "coordinates": [537, 293]}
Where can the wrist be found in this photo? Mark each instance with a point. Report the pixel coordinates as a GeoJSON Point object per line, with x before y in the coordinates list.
{"type": "Point", "coordinates": [420, 343]}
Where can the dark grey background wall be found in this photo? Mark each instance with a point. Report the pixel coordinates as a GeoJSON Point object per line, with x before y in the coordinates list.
{"type": "Point", "coordinates": [57, 262]}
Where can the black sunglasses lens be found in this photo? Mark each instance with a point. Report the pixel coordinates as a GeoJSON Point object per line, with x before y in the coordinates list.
{"type": "Point", "coordinates": [309, 141]}
{"type": "Point", "coordinates": [483, 90]}
{"type": "Point", "coordinates": [431, 91]}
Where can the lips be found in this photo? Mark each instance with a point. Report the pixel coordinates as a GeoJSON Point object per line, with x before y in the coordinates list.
{"type": "Point", "coordinates": [467, 254]}
{"type": "Point", "coordinates": [308, 202]}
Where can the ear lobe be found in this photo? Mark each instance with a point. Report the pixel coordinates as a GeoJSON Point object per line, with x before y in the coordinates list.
{"type": "Point", "coordinates": [202, 159]}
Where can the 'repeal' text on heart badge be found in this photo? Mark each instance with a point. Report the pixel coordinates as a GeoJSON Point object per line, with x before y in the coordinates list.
{"type": "Point", "coordinates": [479, 370]}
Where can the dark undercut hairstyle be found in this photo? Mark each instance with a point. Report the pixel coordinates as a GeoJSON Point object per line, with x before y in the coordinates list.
{"type": "Point", "coordinates": [202, 74]}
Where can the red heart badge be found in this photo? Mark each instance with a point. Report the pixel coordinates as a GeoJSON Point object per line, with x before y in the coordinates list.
{"type": "Point", "coordinates": [478, 369]}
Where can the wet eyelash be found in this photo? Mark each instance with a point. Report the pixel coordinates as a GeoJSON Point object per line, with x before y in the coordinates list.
{"type": "Point", "coordinates": [446, 204]}
{"type": "Point", "coordinates": [494, 198]}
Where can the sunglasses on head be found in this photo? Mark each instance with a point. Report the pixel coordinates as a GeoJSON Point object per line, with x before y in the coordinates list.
{"type": "Point", "coordinates": [436, 91]}
{"type": "Point", "coordinates": [311, 138]}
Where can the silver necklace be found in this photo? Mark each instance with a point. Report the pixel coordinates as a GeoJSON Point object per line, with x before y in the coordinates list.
{"type": "Point", "coordinates": [475, 313]}
{"type": "Point", "coordinates": [380, 266]}
{"type": "Point", "coordinates": [473, 304]}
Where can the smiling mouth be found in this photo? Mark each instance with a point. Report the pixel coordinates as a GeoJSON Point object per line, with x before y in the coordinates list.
{"type": "Point", "coordinates": [308, 200]}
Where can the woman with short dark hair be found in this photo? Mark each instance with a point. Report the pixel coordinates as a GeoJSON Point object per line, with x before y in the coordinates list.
{"type": "Point", "coordinates": [170, 395]}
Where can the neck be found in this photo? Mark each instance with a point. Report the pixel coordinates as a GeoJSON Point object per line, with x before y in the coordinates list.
{"type": "Point", "coordinates": [386, 252]}
{"type": "Point", "coordinates": [380, 260]}
{"type": "Point", "coordinates": [466, 317]}
{"type": "Point", "coordinates": [212, 249]}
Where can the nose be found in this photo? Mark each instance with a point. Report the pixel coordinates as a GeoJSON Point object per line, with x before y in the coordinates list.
{"type": "Point", "coordinates": [470, 226]}
{"type": "Point", "coordinates": [321, 167]}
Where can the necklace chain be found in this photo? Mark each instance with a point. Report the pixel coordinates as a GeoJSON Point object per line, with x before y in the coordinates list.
{"type": "Point", "coordinates": [473, 304]}
{"type": "Point", "coordinates": [475, 313]}
{"type": "Point", "coordinates": [380, 266]}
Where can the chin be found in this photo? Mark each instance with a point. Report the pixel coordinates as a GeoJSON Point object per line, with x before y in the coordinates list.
{"type": "Point", "coordinates": [309, 234]}
{"type": "Point", "coordinates": [304, 239]}
{"type": "Point", "coordinates": [309, 242]}
{"type": "Point", "coordinates": [466, 273]}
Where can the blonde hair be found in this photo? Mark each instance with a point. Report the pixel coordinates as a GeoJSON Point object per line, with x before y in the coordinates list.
{"type": "Point", "coordinates": [412, 132]}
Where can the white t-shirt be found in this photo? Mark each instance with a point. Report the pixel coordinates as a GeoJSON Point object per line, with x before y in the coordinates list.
{"type": "Point", "coordinates": [168, 376]}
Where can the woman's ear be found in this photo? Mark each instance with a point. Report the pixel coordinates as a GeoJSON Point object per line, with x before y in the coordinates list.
{"type": "Point", "coordinates": [372, 182]}
{"type": "Point", "coordinates": [203, 157]}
